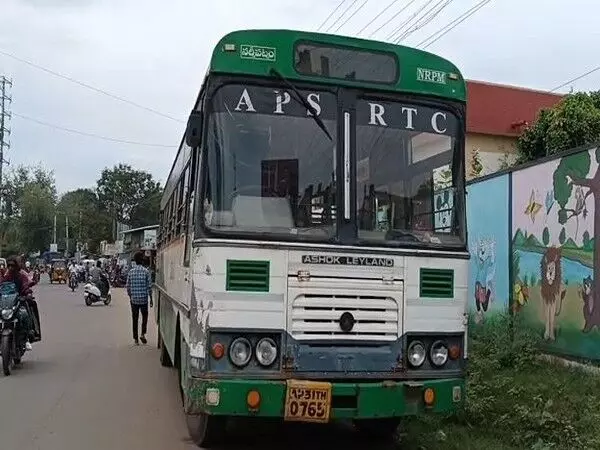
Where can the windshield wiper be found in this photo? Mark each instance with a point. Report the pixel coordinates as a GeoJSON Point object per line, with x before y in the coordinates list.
{"type": "Point", "coordinates": [303, 101]}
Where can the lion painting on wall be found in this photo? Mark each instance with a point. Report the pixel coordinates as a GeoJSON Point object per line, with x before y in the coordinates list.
{"type": "Point", "coordinates": [552, 290]}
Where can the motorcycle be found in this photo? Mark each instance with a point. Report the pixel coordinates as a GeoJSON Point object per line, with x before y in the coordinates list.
{"type": "Point", "coordinates": [93, 293]}
{"type": "Point", "coordinates": [13, 326]}
{"type": "Point", "coordinates": [118, 281]}
{"type": "Point", "coordinates": [73, 282]}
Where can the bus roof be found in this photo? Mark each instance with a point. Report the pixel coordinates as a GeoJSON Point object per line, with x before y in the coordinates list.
{"type": "Point", "coordinates": [415, 66]}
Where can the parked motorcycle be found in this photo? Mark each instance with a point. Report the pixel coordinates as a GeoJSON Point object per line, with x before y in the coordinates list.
{"type": "Point", "coordinates": [93, 293]}
{"type": "Point", "coordinates": [14, 326]}
{"type": "Point", "coordinates": [73, 281]}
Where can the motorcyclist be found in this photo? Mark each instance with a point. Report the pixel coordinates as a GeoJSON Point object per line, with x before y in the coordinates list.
{"type": "Point", "coordinates": [97, 278]}
{"type": "Point", "coordinates": [19, 276]}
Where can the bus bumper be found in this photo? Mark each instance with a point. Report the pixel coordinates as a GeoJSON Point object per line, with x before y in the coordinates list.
{"type": "Point", "coordinates": [348, 400]}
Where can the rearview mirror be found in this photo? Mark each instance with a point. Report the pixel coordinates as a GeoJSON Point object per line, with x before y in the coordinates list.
{"type": "Point", "coordinates": [193, 133]}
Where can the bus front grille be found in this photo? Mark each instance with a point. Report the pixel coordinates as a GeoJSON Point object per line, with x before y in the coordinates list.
{"type": "Point", "coordinates": [316, 317]}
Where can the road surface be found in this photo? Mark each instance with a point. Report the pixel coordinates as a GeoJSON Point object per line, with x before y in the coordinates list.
{"type": "Point", "coordinates": [86, 386]}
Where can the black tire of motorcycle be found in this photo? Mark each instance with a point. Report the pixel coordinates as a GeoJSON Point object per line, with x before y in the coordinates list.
{"type": "Point", "coordinates": [107, 300]}
{"type": "Point", "coordinates": [5, 342]}
{"type": "Point", "coordinates": [88, 301]}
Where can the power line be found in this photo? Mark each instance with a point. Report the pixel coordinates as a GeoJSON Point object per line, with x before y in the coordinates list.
{"type": "Point", "coordinates": [352, 15]}
{"type": "Point", "coordinates": [407, 21]}
{"type": "Point", "coordinates": [393, 17]}
{"type": "Point", "coordinates": [431, 14]}
{"type": "Point", "coordinates": [92, 135]}
{"type": "Point", "coordinates": [378, 16]}
{"type": "Point", "coordinates": [589, 72]}
{"type": "Point", "coordinates": [340, 16]}
{"type": "Point", "coordinates": [331, 14]}
{"type": "Point", "coordinates": [433, 38]}
{"type": "Point", "coordinates": [89, 86]}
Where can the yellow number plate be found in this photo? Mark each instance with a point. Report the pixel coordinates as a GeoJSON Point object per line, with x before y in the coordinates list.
{"type": "Point", "coordinates": [307, 401]}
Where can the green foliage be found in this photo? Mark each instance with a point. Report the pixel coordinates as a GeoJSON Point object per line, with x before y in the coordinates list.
{"type": "Point", "coordinates": [130, 196]}
{"type": "Point", "coordinates": [88, 223]}
{"type": "Point", "coordinates": [476, 167]}
{"type": "Point", "coordinates": [575, 121]}
{"type": "Point", "coordinates": [546, 237]}
{"type": "Point", "coordinates": [506, 162]}
{"type": "Point", "coordinates": [514, 399]}
{"type": "Point", "coordinates": [29, 201]}
{"type": "Point", "coordinates": [562, 236]}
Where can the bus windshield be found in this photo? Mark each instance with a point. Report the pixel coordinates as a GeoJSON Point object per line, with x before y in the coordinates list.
{"type": "Point", "coordinates": [408, 173]}
{"type": "Point", "coordinates": [270, 168]}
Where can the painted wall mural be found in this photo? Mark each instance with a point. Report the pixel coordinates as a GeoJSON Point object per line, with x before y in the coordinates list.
{"type": "Point", "coordinates": [488, 223]}
{"type": "Point", "coordinates": [556, 252]}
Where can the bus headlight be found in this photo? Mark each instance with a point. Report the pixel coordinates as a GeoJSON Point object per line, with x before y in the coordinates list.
{"type": "Point", "coordinates": [266, 352]}
{"type": "Point", "coordinates": [240, 352]}
{"type": "Point", "coordinates": [416, 353]}
{"type": "Point", "coordinates": [438, 353]}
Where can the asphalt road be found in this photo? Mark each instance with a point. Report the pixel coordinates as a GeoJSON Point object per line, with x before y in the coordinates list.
{"type": "Point", "coordinates": [86, 386]}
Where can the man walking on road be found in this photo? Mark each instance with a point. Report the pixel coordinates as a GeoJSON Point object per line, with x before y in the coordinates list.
{"type": "Point", "coordinates": [139, 285]}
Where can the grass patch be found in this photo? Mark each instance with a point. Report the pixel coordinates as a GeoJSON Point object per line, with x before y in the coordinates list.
{"type": "Point", "coordinates": [514, 400]}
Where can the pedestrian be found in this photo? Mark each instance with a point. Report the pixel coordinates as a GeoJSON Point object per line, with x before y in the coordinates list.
{"type": "Point", "coordinates": [139, 284]}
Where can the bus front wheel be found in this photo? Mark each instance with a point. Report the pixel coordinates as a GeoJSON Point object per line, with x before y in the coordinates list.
{"type": "Point", "coordinates": [205, 430]}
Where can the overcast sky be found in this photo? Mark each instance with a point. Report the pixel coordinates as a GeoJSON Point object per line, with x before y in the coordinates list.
{"type": "Point", "coordinates": [155, 53]}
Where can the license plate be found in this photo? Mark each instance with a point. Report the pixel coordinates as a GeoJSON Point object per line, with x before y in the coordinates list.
{"type": "Point", "coordinates": [307, 401]}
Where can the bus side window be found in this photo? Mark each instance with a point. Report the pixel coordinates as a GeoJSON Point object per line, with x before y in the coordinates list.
{"type": "Point", "coordinates": [190, 181]}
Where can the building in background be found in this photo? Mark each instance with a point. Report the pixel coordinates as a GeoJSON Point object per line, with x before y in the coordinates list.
{"type": "Point", "coordinates": [143, 238]}
{"type": "Point", "coordinates": [496, 116]}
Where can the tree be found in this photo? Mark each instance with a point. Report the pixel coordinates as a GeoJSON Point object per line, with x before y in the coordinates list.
{"type": "Point", "coordinates": [575, 121]}
{"type": "Point", "coordinates": [88, 222]}
{"type": "Point", "coordinates": [572, 171]}
{"type": "Point", "coordinates": [29, 200]}
{"type": "Point", "coordinates": [37, 216]}
{"type": "Point", "coordinates": [506, 161]}
{"type": "Point", "coordinates": [476, 169]}
{"type": "Point", "coordinates": [130, 196]}
{"type": "Point", "coordinates": [146, 212]}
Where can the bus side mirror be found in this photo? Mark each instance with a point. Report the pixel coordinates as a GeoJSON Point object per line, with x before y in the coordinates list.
{"type": "Point", "coordinates": [193, 133]}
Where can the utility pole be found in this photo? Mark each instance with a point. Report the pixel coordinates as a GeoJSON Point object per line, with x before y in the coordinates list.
{"type": "Point", "coordinates": [5, 100]}
{"type": "Point", "coordinates": [67, 235]}
{"type": "Point", "coordinates": [54, 231]}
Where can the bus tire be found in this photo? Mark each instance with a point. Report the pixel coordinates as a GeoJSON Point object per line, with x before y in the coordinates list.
{"type": "Point", "coordinates": [378, 429]}
{"type": "Point", "coordinates": [165, 359]}
{"type": "Point", "coordinates": [205, 430]}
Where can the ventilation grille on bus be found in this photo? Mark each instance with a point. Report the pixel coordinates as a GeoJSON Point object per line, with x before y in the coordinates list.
{"type": "Point", "coordinates": [436, 283]}
{"type": "Point", "coordinates": [250, 276]}
{"type": "Point", "coordinates": [317, 317]}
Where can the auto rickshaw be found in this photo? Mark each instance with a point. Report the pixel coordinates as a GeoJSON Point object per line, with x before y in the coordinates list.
{"type": "Point", "coordinates": [58, 271]}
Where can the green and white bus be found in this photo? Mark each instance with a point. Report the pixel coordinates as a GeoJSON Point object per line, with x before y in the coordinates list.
{"type": "Point", "coordinates": [312, 260]}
